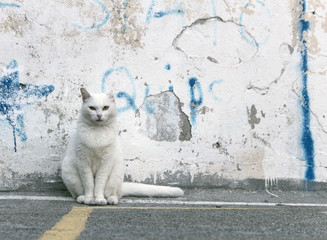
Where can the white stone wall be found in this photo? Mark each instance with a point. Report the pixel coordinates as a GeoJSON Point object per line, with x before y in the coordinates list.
{"type": "Point", "coordinates": [209, 92]}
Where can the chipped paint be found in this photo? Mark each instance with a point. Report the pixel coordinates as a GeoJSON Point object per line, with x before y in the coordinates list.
{"type": "Point", "coordinates": [164, 119]}
{"type": "Point", "coordinates": [252, 117]}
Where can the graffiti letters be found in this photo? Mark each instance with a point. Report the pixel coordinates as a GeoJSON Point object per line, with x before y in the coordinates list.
{"type": "Point", "coordinates": [159, 14]}
{"type": "Point", "coordinates": [97, 26]}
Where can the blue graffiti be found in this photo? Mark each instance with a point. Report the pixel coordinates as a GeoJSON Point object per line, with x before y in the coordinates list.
{"type": "Point", "coordinates": [243, 33]}
{"type": "Point", "coordinates": [125, 4]}
{"type": "Point", "coordinates": [195, 87]}
{"type": "Point", "coordinates": [213, 5]}
{"type": "Point", "coordinates": [130, 99]}
{"type": "Point", "coordinates": [9, 5]}
{"type": "Point", "coordinates": [149, 109]}
{"type": "Point", "coordinates": [196, 94]}
{"type": "Point", "coordinates": [15, 95]}
{"type": "Point", "coordinates": [211, 89]}
{"type": "Point", "coordinates": [152, 14]}
{"type": "Point", "coordinates": [306, 138]}
{"type": "Point", "coordinates": [171, 87]}
{"type": "Point", "coordinates": [106, 19]}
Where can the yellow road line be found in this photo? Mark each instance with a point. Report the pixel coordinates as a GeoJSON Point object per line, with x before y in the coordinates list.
{"type": "Point", "coordinates": [70, 226]}
{"type": "Point", "coordinates": [73, 223]}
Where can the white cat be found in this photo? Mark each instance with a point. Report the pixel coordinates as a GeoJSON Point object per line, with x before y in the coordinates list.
{"type": "Point", "coordinates": [93, 168]}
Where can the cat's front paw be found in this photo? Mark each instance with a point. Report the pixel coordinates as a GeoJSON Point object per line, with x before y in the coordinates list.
{"type": "Point", "coordinates": [89, 201]}
{"type": "Point", "coordinates": [80, 199]}
{"type": "Point", "coordinates": [101, 201]}
{"type": "Point", "coordinates": [112, 200]}
{"type": "Point", "coordinates": [85, 200]}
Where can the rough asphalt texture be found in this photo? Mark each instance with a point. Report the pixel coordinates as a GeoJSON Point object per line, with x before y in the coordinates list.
{"type": "Point", "coordinates": [29, 219]}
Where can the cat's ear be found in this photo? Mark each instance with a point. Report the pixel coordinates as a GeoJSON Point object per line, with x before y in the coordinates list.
{"type": "Point", "coordinates": [111, 96]}
{"type": "Point", "coordinates": [85, 94]}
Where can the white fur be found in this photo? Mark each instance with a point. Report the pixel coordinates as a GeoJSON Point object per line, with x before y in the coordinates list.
{"type": "Point", "coordinates": [93, 168]}
{"type": "Point", "coordinates": [145, 190]}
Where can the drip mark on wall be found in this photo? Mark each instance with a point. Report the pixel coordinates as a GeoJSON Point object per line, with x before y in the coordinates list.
{"type": "Point", "coordinates": [306, 138]}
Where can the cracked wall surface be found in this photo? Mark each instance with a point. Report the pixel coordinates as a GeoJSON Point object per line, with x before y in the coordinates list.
{"type": "Point", "coordinates": [209, 93]}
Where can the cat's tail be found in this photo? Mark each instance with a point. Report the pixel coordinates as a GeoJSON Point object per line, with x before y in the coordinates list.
{"type": "Point", "coordinates": [146, 190]}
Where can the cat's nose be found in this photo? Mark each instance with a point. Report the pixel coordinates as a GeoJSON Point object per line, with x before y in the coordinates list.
{"type": "Point", "coordinates": [99, 115]}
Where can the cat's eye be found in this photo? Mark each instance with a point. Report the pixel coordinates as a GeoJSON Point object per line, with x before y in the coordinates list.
{"type": "Point", "coordinates": [92, 108]}
{"type": "Point", "coordinates": [105, 108]}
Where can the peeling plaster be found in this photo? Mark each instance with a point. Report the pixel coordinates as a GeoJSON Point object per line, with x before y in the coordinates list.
{"type": "Point", "coordinates": [196, 42]}
{"type": "Point", "coordinates": [165, 120]}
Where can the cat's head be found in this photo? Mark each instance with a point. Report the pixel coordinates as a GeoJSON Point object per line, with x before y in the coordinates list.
{"type": "Point", "coordinates": [98, 108]}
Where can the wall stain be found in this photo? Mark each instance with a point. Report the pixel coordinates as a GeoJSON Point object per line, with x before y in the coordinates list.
{"type": "Point", "coordinates": [123, 24]}
{"type": "Point", "coordinates": [252, 118]}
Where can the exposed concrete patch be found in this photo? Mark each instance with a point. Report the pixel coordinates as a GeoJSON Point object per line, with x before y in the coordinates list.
{"type": "Point", "coordinates": [196, 41]}
{"type": "Point", "coordinates": [162, 118]}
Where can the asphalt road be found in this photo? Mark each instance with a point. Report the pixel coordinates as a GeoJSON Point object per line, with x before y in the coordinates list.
{"type": "Point", "coordinates": [60, 218]}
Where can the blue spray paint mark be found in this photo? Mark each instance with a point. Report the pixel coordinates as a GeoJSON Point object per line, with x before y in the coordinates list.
{"type": "Point", "coordinates": [195, 87]}
{"type": "Point", "coordinates": [168, 67]}
{"type": "Point", "coordinates": [152, 14]}
{"type": "Point", "coordinates": [125, 4]}
{"type": "Point", "coordinates": [130, 99]}
{"type": "Point", "coordinates": [171, 88]}
{"type": "Point", "coordinates": [149, 109]}
{"type": "Point", "coordinates": [211, 89]}
{"type": "Point", "coordinates": [9, 5]}
{"type": "Point", "coordinates": [213, 5]}
{"type": "Point", "coordinates": [15, 95]}
{"type": "Point", "coordinates": [306, 138]}
{"type": "Point", "coordinates": [106, 19]}
{"type": "Point", "coordinates": [243, 33]}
